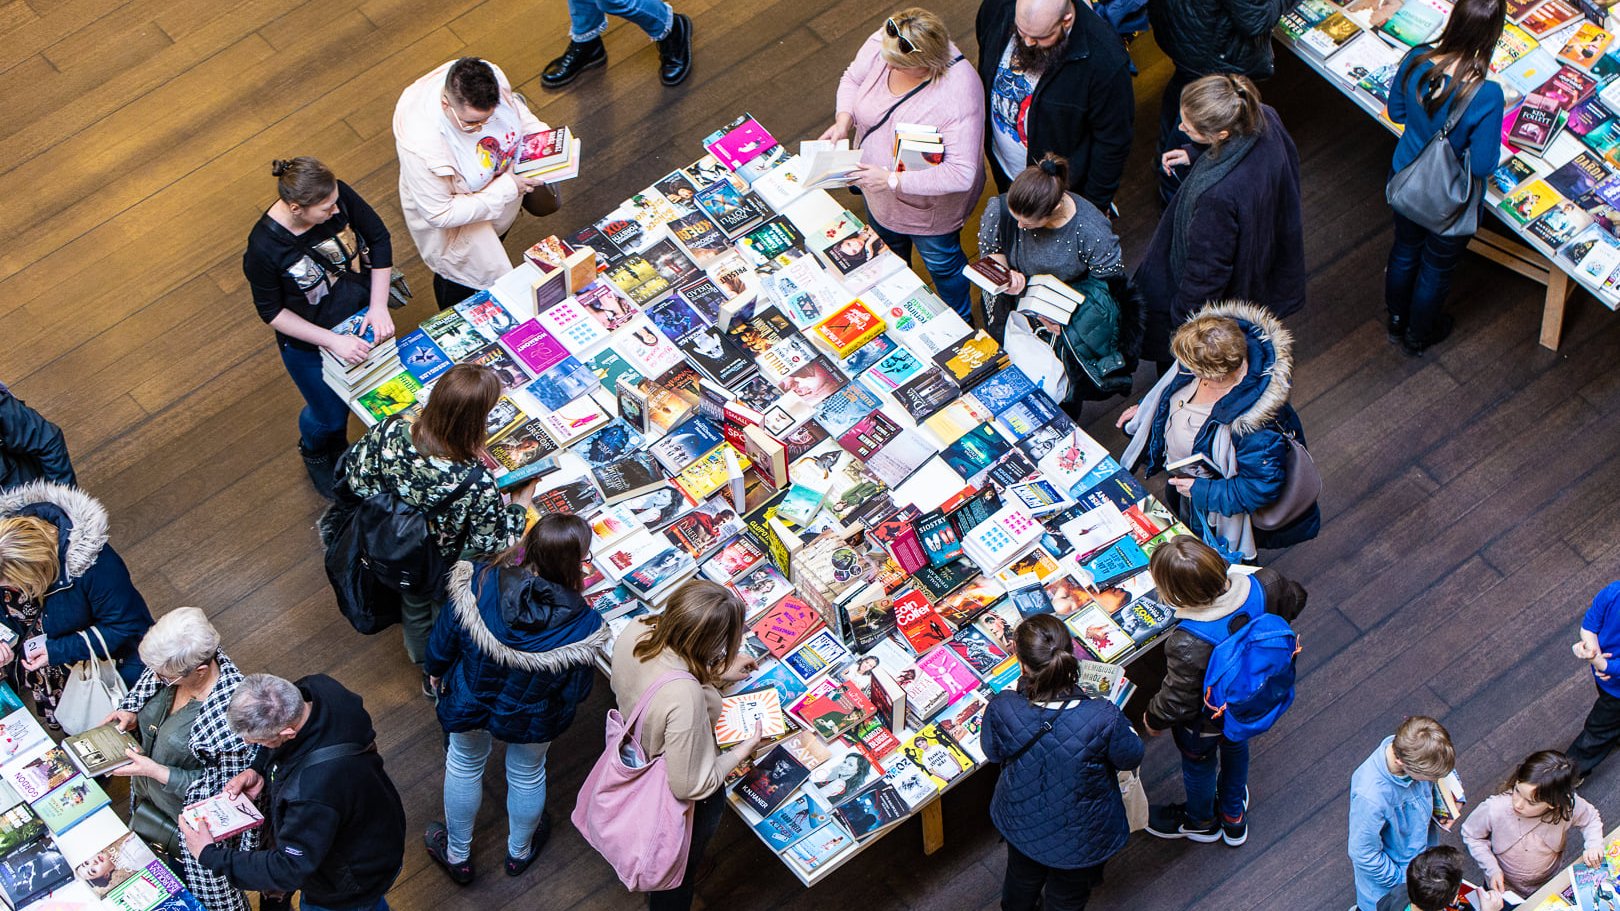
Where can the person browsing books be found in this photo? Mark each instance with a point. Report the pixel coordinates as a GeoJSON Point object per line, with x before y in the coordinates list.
{"type": "Point", "coordinates": [1518, 836]}
{"type": "Point", "coordinates": [318, 256]}
{"type": "Point", "coordinates": [31, 447]}
{"type": "Point", "coordinates": [910, 72]}
{"type": "Point", "coordinates": [1429, 83]}
{"type": "Point", "coordinates": [1203, 589]}
{"type": "Point", "coordinates": [1234, 229]}
{"type": "Point", "coordinates": [512, 659]}
{"type": "Point", "coordinates": [456, 131]}
{"type": "Point", "coordinates": [1433, 882]}
{"type": "Point", "coordinates": [433, 465]}
{"type": "Point", "coordinates": [1227, 401]}
{"type": "Point", "coordinates": [178, 711]}
{"type": "Point", "coordinates": [1058, 800]}
{"type": "Point", "coordinates": [1392, 806]}
{"type": "Point", "coordinates": [699, 637]}
{"type": "Point", "coordinates": [1599, 641]}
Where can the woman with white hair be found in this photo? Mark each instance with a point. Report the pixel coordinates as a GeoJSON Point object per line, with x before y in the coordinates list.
{"type": "Point", "coordinates": [178, 712]}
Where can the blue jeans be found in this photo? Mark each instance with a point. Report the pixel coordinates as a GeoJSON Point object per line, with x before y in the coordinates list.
{"type": "Point", "coordinates": [1419, 276]}
{"type": "Point", "coordinates": [464, 791]}
{"type": "Point", "coordinates": [381, 905]}
{"type": "Point", "coordinates": [587, 19]}
{"type": "Point", "coordinates": [323, 425]}
{"type": "Point", "coordinates": [942, 256]}
{"type": "Point", "coordinates": [1201, 755]}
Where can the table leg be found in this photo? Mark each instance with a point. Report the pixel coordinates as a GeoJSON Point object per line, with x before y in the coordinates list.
{"type": "Point", "coordinates": [933, 826]}
{"type": "Point", "coordinates": [1552, 314]}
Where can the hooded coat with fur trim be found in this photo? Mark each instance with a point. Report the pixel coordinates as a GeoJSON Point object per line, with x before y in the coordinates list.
{"type": "Point", "coordinates": [514, 652]}
{"type": "Point", "coordinates": [1258, 412]}
{"type": "Point", "coordinates": [93, 588]}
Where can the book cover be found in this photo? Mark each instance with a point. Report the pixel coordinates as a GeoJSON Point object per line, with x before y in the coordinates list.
{"type": "Point", "coordinates": [1549, 17]}
{"type": "Point", "coordinates": [716, 355]}
{"type": "Point", "coordinates": [35, 774]}
{"type": "Point", "coordinates": [972, 360]}
{"type": "Point", "coordinates": [938, 753]}
{"type": "Point", "coordinates": [1144, 618]}
{"type": "Point", "coordinates": [421, 357]}
{"type": "Point", "coordinates": [534, 347]}
{"type": "Point", "coordinates": [939, 538]}
{"type": "Point", "coordinates": [847, 771]}
{"type": "Point", "coordinates": [922, 627]}
{"type": "Point", "coordinates": [700, 237]}
{"type": "Point", "coordinates": [870, 616]}
{"type": "Point", "coordinates": [1120, 560]}
{"type": "Point", "coordinates": [574, 420]}
{"type": "Point", "coordinates": [631, 476]}
{"type": "Point", "coordinates": [148, 890]}
{"type": "Point", "coordinates": [1413, 24]}
{"type": "Point", "coordinates": [1093, 628]}
{"type": "Point", "coordinates": [100, 749]}
{"type": "Point", "coordinates": [577, 497]}
{"type": "Point", "coordinates": [847, 328]}
{"type": "Point", "coordinates": [739, 142]}
{"type": "Point", "coordinates": [773, 244]}
{"type": "Point", "coordinates": [938, 581]}
{"type": "Point", "coordinates": [1067, 595]}
{"type": "Point", "coordinates": [760, 588]}
{"type": "Point", "coordinates": [563, 383]}
{"type": "Point", "coordinates": [817, 849]}
{"type": "Point", "coordinates": [872, 809]}
{"type": "Point", "coordinates": [968, 601]}
{"type": "Point", "coordinates": [841, 707]}
{"type": "Point", "coordinates": [802, 814]}
{"type": "Point", "coordinates": [732, 212]}
{"type": "Point", "coordinates": [926, 394]}
{"type": "Point", "coordinates": [974, 646]}
{"type": "Point", "coordinates": [947, 669]}
{"type": "Point", "coordinates": [975, 451]}
{"type": "Point", "coordinates": [31, 871]}
{"type": "Point", "coordinates": [691, 440]}
{"type": "Point", "coordinates": [75, 799]}
{"type": "Point", "coordinates": [393, 394]}
{"type": "Point", "coordinates": [486, 316]}
{"type": "Point", "coordinates": [704, 529]}
{"type": "Point", "coordinates": [868, 435]}
{"type": "Point", "coordinates": [819, 651]}
{"type": "Point", "coordinates": [647, 349]}
{"type": "Point", "coordinates": [19, 826]}
{"type": "Point", "coordinates": [778, 676]}
{"type": "Point", "coordinates": [786, 624]}
{"type": "Point", "coordinates": [915, 786]}
{"type": "Point", "coordinates": [742, 712]}
{"type": "Point", "coordinates": [733, 559]}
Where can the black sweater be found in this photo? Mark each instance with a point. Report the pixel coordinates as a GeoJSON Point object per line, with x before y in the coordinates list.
{"type": "Point", "coordinates": [283, 274]}
{"type": "Point", "coordinates": [343, 840]}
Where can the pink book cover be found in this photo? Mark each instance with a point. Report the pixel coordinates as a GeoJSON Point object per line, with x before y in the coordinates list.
{"type": "Point", "coordinates": [530, 343]}
{"type": "Point", "coordinates": [949, 671]}
{"type": "Point", "coordinates": [741, 144]}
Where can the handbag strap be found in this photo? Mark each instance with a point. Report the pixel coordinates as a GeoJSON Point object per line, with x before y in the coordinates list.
{"type": "Point", "coordinates": [903, 99]}
{"type": "Point", "coordinates": [1459, 107]}
{"type": "Point", "coordinates": [95, 662]}
{"type": "Point", "coordinates": [1046, 728]}
{"type": "Point", "coordinates": [633, 723]}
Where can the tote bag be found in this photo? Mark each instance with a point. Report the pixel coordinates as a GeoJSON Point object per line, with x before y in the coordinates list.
{"type": "Point", "coordinates": [93, 690]}
{"type": "Point", "coordinates": [626, 810]}
{"type": "Point", "coordinates": [1438, 190]}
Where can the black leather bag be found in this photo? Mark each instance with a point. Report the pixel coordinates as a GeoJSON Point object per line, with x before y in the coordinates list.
{"type": "Point", "coordinates": [368, 605]}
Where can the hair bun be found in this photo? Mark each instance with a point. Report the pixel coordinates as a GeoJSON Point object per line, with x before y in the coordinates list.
{"type": "Point", "coordinates": [1047, 166]}
{"type": "Point", "coordinates": [280, 166]}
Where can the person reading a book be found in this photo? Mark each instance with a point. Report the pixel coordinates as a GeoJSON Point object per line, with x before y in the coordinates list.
{"type": "Point", "coordinates": [318, 256]}
{"type": "Point", "coordinates": [1430, 84]}
{"type": "Point", "coordinates": [511, 656]}
{"type": "Point", "coordinates": [456, 131]}
{"type": "Point", "coordinates": [1518, 836]}
{"type": "Point", "coordinates": [909, 72]}
{"type": "Point", "coordinates": [1058, 801]}
{"type": "Point", "coordinates": [31, 447]}
{"type": "Point", "coordinates": [1392, 806]}
{"type": "Point", "coordinates": [1234, 229]}
{"type": "Point", "coordinates": [1211, 601]}
{"type": "Point", "coordinates": [1434, 883]}
{"type": "Point", "coordinates": [178, 711]}
{"type": "Point", "coordinates": [1226, 399]}
{"type": "Point", "coordinates": [689, 651]}
{"type": "Point", "coordinates": [433, 465]}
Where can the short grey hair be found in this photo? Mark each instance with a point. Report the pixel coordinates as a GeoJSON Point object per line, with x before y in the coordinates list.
{"type": "Point", "coordinates": [179, 641]}
{"type": "Point", "coordinates": [264, 706]}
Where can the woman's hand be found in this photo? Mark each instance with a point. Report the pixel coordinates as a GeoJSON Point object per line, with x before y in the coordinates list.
{"type": "Point", "coordinates": [142, 766]}
{"type": "Point", "coordinates": [1016, 281]}
{"type": "Point", "coordinates": [37, 660]}
{"type": "Point", "coordinates": [524, 496]}
{"type": "Point", "coordinates": [741, 668]}
{"type": "Point", "coordinates": [348, 349]}
{"type": "Point", "coordinates": [754, 740]}
{"type": "Point", "coordinates": [6, 654]}
{"type": "Point", "coordinates": [1183, 485]}
{"type": "Point", "coordinates": [195, 839]}
{"type": "Point", "coordinates": [525, 184]}
{"type": "Point", "coordinates": [380, 322]}
{"type": "Point", "coordinates": [838, 130]}
{"type": "Point", "coordinates": [870, 178]}
{"type": "Point", "coordinates": [1126, 415]}
{"type": "Point", "coordinates": [122, 720]}
{"type": "Point", "coordinates": [1497, 883]}
{"type": "Point", "coordinates": [1173, 159]}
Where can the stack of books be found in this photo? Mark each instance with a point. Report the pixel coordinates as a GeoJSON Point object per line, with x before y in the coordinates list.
{"type": "Point", "coordinates": [917, 147]}
{"type": "Point", "coordinates": [348, 380]}
{"type": "Point", "coordinates": [551, 155]}
{"type": "Point", "coordinates": [1047, 297]}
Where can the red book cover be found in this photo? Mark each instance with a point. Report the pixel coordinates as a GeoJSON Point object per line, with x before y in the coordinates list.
{"type": "Point", "coordinates": [836, 711]}
{"type": "Point", "coordinates": [919, 623]}
{"type": "Point", "coordinates": [786, 624]}
{"type": "Point", "coordinates": [898, 534]}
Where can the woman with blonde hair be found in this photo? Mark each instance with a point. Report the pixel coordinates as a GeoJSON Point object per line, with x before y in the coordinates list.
{"type": "Point", "coordinates": [683, 657]}
{"type": "Point", "coordinates": [177, 710]}
{"type": "Point", "coordinates": [65, 591]}
{"type": "Point", "coordinates": [909, 71]}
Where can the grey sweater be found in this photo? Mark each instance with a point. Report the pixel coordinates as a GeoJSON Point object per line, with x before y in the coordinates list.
{"type": "Point", "coordinates": [1084, 246]}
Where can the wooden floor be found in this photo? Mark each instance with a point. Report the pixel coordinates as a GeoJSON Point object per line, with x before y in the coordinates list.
{"type": "Point", "coordinates": [1471, 498]}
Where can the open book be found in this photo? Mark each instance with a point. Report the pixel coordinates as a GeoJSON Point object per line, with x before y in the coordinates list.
{"type": "Point", "coordinates": [827, 163]}
{"type": "Point", "coordinates": [222, 816]}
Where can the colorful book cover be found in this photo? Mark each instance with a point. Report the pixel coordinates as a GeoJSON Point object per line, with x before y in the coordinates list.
{"type": "Point", "coordinates": [563, 383]}
{"type": "Point", "coordinates": [840, 412]}
{"type": "Point", "coordinates": [537, 349]}
{"type": "Point", "coordinates": [70, 802]}
{"type": "Point", "coordinates": [938, 753]}
{"type": "Point", "coordinates": [872, 809]}
{"type": "Point", "coordinates": [798, 817]}
{"type": "Point", "coordinates": [975, 647]}
{"type": "Point", "coordinates": [786, 624]}
{"type": "Point", "coordinates": [820, 651]}
{"type": "Point", "coordinates": [961, 606]}
{"type": "Point", "coordinates": [394, 394]}
{"type": "Point", "coordinates": [739, 142]}
{"type": "Point", "coordinates": [486, 316]}
{"type": "Point", "coordinates": [848, 328]}
{"type": "Point", "coordinates": [33, 870]}
{"type": "Point", "coordinates": [917, 620]}
{"type": "Point", "coordinates": [741, 713]}
{"type": "Point", "coordinates": [453, 334]}
{"type": "Point", "coordinates": [778, 676]}
{"type": "Point", "coordinates": [571, 323]}
{"type": "Point", "coordinates": [421, 357]}
{"type": "Point", "coordinates": [975, 451]}
{"type": "Point", "coordinates": [35, 774]}
{"type": "Point", "coordinates": [1144, 619]}
{"type": "Point", "coordinates": [841, 707]}
{"type": "Point", "coordinates": [915, 786]}
{"type": "Point", "coordinates": [817, 849]}
{"type": "Point", "coordinates": [948, 670]}
{"type": "Point", "coordinates": [1093, 628]}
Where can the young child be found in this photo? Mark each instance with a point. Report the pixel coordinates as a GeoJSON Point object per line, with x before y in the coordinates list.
{"type": "Point", "coordinates": [1433, 880]}
{"type": "Point", "coordinates": [1600, 638]}
{"type": "Point", "coordinates": [1392, 805]}
{"type": "Point", "coordinates": [1517, 836]}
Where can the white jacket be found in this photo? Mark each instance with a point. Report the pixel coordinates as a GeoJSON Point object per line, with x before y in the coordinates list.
{"type": "Point", "coordinates": [456, 230]}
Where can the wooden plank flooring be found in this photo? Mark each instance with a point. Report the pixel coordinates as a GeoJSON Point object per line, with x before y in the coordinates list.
{"type": "Point", "coordinates": [1472, 495]}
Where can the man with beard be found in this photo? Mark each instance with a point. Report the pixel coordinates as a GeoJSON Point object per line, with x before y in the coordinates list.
{"type": "Point", "coordinates": [1057, 81]}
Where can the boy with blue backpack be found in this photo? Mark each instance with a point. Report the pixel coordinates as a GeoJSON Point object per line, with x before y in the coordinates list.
{"type": "Point", "coordinates": [1229, 675]}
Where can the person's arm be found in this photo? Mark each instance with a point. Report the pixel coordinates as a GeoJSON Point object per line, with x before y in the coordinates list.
{"type": "Point", "coordinates": [1180, 699]}
{"type": "Point", "coordinates": [859, 70]}
{"type": "Point", "coordinates": [1590, 822]}
{"type": "Point", "coordinates": [963, 134]}
{"type": "Point", "coordinates": [1485, 142]}
{"type": "Point", "coordinates": [1113, 113]}
{"type": "Point", "coordinates": [1476, 836]}
{"type": "Point", "coordinates": [117, 611]}
{"type": "Point", "coordinates": [1099, 246]}
{"type": "Point", "coordinates": [303, 839]}
{"type": "Point", "coordinates": [444, 644]}
{"type": "Point", "coordinates": [1395, 107]}
{"type": "Point", "coordinates": [25, 431]}
{"type": "Point", "coordinates": [1284, 597]}
{"type": "Point", "coordinates": [693, 762]}
{"type": "Point", "coordinates": [180, 781]}
{"type": "Point", "coordinates": [990, 229]}
{"type": "Point", "coordinates": [1253, 18]}
{"type": "Point", "coordinates": [379, 255]}
{"type": "Point", "coordinates": [1261, 473]}
{"type": "Point", "coordinates": [493, 524]}
{"type": "Point", "coordinates": [1367, 845]}
{"type": "Point", "coordinates": [1125, 748]}
{"type": "Point", "coordinates": [442, 207]}
{"type": "Point", "coordinates": [1211, 257]}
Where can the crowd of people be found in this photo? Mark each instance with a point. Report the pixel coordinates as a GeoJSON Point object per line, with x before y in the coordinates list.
{"type": "Point", "coordinates": [502, 635]}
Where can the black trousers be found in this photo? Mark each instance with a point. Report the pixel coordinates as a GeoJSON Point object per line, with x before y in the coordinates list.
{"type": "Point", "coordinates": [448, 293]}
{"type": "Point", "coordinates": [705, 822]}
{"type": "Point", "coordinates": [1599, 736]}
{"type": "Point", "coordinates": [1027, 880]}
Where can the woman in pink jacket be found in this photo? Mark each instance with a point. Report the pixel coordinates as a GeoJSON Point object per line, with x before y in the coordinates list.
{"type": "Point", "coordinates": [910, 72]}
{"type": "Point", "coordinates": [457, 130]}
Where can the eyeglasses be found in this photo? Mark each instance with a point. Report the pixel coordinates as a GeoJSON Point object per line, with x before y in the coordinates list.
{"type": "Point", "coordinates": [892, 29]}
{"type": "Point", "coordinates": [465, 126]}
{"type": "Point", "coordinates": [166, 680]}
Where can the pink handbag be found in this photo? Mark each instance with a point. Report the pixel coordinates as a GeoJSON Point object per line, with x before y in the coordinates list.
{"type": "Point", "coordinates": [626, 810]}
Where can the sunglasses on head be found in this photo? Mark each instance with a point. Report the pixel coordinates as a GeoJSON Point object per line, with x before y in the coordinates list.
{"type": "Point", "coordinates": [892, 29]}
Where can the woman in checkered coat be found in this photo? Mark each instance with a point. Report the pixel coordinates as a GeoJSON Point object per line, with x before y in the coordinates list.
{"type": "Point", "coordinates": [177, 710]}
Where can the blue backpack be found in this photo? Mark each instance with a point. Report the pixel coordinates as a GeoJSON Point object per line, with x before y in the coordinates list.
{"type": "Point", "coordinates": [1250, 679]}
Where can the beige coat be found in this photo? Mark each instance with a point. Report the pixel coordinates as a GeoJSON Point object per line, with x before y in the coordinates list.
{"type": "Point", "coordinates": [456, 230]}
{"type": "Point", "coordinates": [679, 723]}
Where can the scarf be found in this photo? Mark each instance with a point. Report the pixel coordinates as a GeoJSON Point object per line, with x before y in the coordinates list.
{"type": "Point", "coordinates": [1208, 171]}
{"type": "Point", "coordinates": [45, 684]}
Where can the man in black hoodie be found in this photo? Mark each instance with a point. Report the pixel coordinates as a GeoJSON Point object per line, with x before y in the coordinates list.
{"type": "Point", "coordinates": [336, 826]}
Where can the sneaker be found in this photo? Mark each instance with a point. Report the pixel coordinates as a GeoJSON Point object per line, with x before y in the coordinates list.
{"type": "Point", "coordinates": [579, 57]}
{"type": "Point", "coordinates": [437, 840]}
{"type": "Point", "coordinates": [1235, 833]}
{"type": "Point", "coordinates": [1395, 327]}
{"type": "Point", "coordinates": [1172, 822]}
{"type": "Point", "coordinates": [518, 866]}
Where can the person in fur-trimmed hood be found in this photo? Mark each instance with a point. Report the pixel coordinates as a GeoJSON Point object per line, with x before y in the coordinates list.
{"type": "Point", "coordinates": [65, 583]}
{"type": "Point", "coordinates": [512, 658]}
{"type": "Point", "coordinates": [1226, 400]}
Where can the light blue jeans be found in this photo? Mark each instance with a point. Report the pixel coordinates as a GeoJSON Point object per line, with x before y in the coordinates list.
{"type": "Point", "coordinates": [587, 19]}
{"type": "Point", "coordinates": [464, 791]}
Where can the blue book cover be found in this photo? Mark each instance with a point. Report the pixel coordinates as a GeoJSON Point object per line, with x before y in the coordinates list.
{"type": "Point", "coordinates": [563, 383]}
{"type": "Point", "coordinates": [801, 815]}
{"type": "Point", "coordinates": [840, 412]}
{"type": "Point", "coordinates": [1120, 560]}
{"type": "Point", "coordinates": [1004, 389]}
{"type": "Point", "coordinates": [975, 451]}
{"type": "Point", "coordinates": [609, 366]}
{"type": "Point", "coordinates": [1100, 472]}
{"type": "Point", "coordinates": [675, 317]}
{"type": "Point", "coordinates": [1120, 488]}
{"type": "Point", "coordinates": [609, 444]}
{"type": "Point", "coordinates": [1030, 600]}
{"type": "Point", "coordinates": [1027, 415]}
{"type": "Point", "coordinates": [862, 358]}
{"type": "Point", "coordinates": [351, 326]}
{"type": "Point", "coordinates": [781, 678]}
{"type": "Point", "coordinates": [686, 442]}
{"type": "Point", "coordinates": [422, 356]}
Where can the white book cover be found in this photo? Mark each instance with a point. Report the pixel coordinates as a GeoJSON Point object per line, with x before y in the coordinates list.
{"type": "Point", "coordinates": [1095, 529]}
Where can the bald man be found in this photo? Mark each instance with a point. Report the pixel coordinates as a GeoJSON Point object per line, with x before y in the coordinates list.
{"type": "Point", "coordinates": [1057, 80]}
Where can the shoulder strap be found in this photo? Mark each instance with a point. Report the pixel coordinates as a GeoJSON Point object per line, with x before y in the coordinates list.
{"type": "Point", "coordinates": [466, 484]}
{"type": "Point", "coordinates": [104, 649]}
{"type": "Point", "coordinates": [633, 723]}
{"type": "Point", "coordinates": [1006, 228]}
{"type": "Point", "coordinates": [1459, 107]}
{"type": "Point", "coordinates": [1046, 728]}
{"type": "Point", "coordinates": [896, 106]}
{"type": "Point", "coordinates": [95, 662]}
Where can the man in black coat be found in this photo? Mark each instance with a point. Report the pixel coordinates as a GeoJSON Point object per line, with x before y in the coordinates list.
{"type": "Point", "coordinates": [335, 826]}
{"type": "Point", "coordinates": [31, 448]}
{"type": "Point", "coordinates": [1057, 80]}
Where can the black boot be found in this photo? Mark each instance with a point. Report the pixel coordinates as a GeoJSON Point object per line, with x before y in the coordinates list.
{"type": "Point", "coordinates": [321, 466]}
{"type": "Point", "coordinates": [1414, 346]}
{"type": "Point", "coordinates": [1396, 328]}
{"type": "Point", "coordinates": [580, 56]}
{"type": "Point", "coordinates": [675, 51]}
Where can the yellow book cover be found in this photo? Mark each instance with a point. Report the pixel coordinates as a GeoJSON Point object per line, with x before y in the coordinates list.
{"type": "Point", "coordinates": [393, 394]}
{"type": "Point", "coordinates": [708, 474]}
{"type": "Point", "coordinates": [848, 328]}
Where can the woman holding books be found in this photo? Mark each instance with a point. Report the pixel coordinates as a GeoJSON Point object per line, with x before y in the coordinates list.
{"type": "Point", "coordinates": [909, 72]}
{"type": "Point", "coordinates": [433, 465]}
{"type": "Point", "coordinates": [1222, 421]}
{"type": "Point", "coordinates": [315, 258]}
{"type": "Point", "coordinates": [1058, 800]}
{"type": "Point", "coordinates": [512, 659]}
{"type": "Point", "coordinates": [1430, 86]}
{"type": "Point", "coordinates": [677, 662]}
{"type": "Point", "coordinates": [177, 711]}
{"type": "Point", "coordinates": [1234, 228]}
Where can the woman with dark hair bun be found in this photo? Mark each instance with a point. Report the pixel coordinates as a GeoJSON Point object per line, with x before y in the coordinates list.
{"type": "Point", "coordinates": [512, 656]}
{"type": "Point", "coordinates": [1058, 801]}
{"type": "Point", "coordinates": [316, 257]}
